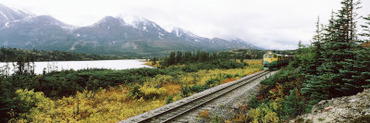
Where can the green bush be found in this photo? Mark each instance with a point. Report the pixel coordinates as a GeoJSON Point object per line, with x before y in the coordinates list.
{"type": "Point", "coordinates": [135, 93]}
{"type": "Point", "coordinates": [253, 102]}
{"type": "Point", "coordinates": [198, 88]}
{"type": "Point", "coordinates": [185, 90]}
{"type": "Point", "coordinates": [190, 68]}
{"type": "Point", "coordinates": [213, 82]}
{"type": "Point", "coordinates": [169, 99]}
{"type": "Point", "coordinates": [24, 101]}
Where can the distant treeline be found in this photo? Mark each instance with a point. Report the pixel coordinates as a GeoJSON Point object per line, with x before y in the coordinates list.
{"type": "Point", "coordinates": [255, 54]}
{"type": "Point", "coordinates": [196, 58]}
{"type": "Point", "coordinates": [187, 57]}
{"type": "Point", "coordinates": [14, 54]}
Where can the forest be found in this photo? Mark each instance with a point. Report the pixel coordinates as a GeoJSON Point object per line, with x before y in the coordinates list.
{"type": "Point", "coordinates": [336, 64]}
{"type": "Point", "coordinates": [15, 54]}
{"type": "Point", "coordinates": [97, 95]}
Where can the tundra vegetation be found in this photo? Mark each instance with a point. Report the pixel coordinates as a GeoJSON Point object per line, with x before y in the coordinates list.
{"type": "Point", "coordinates": [101, 95]}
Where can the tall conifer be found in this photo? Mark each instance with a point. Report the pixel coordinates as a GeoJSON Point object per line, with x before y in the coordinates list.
{"type": "Point", "coordinates": [312, 86]}
{"type": "Point", "coordinates": [316, 87]}
{"type": "Point", "coordinates": [336, 75]}
{"type": "Point", "coordinates": [366, 29]}
{"type": "Point", "coordinates": [362, 62]}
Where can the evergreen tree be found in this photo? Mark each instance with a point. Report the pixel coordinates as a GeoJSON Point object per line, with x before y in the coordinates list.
{"type": "Point", "coordinates": [312, 85]}
{"type": "Point", "coordinates": [172, 58]}
{"type": "Point", "coordinates": [179, 57]}
{"type": "Point", "coordinates": [337, 50]}
{"type": "Point", "coordinates": [293, 104]}
{"type": "Point", "coordinates": [316, 88]}
{"type": "Point", "coordinates": [362, 66]}
{"type": "Point", "coordinates": [349, 43]}
{"type": "Point", "coordinates": [362, 61]}
{"type": "Point", "coordinates": [187, 56]}
{"type": "Point", "coordinates": [154, 61]}
{"type": "Point", "coordinates": [366, 29]}
{"type": "Point", "coordinates": [316, 50]}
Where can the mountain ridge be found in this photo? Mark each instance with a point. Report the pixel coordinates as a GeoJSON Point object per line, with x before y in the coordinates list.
{"type": "Point", "coordinates": [135, 36]}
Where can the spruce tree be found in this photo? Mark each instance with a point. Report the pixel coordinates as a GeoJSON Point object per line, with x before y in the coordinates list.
{"type": "Point", "coordinates": [362, 61]}
{"type": "Point", "coordinates": [335, 76]}
{"type": "Point", "coordinates": [317, 49]}
{"type": "Point", "coordinates": [172, 58]}
{"type": "Point", "coordinates": [348, 85]}
{"type": "Point", "coordinates": [179, 57]}
{"type": "Point", "coordinates": [313, 87]}
{"type": "Point", "coordinates": [187, 57]}
{"type": "Point", "coordinates": [339, 52]}
{"type": "Point", "coordinates": [362, 66]}
{"type": "Point", "coordinates": [366, 29]}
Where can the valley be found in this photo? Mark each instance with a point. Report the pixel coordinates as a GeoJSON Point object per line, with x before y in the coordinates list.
{"type": "Point", "coordinates": [106, 68]}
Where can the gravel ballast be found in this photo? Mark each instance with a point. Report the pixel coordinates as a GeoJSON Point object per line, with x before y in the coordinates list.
{"type": "Point", "coordinates": [229, 101]}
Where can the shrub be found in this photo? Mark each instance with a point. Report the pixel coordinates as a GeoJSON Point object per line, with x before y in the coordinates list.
{"type": "Point", "coordinates": [169, 99]}
{"type": "Point", "coordinates": [185, 90]}
{"type": "Point", "coordinates": [204, 114]}
{"type": "Point", "coordinates": [190, 68]}
{"type": "Point", "coordinates": [135, 93]}
{"type": "Point", "coordinates": [198, 88]}
{"type": "Point", "coordinates": [254, 102]}
{"type": "Point", "coordinates": [152, 92]}
{"type": "Point", "coordinates": [26, 101]}
{"type": "Point", "coordinates": [213, 82]}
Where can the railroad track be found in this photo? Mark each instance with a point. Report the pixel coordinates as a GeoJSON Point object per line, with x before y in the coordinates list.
{"type": "Point", "coordinates": [170, 114]}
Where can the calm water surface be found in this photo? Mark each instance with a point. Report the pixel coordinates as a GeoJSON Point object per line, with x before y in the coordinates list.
{"type": "Point", "coordinates": [77, 65]}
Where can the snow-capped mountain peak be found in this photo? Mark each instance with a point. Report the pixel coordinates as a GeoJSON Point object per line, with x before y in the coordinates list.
{"type": "Point", "coordinates": [134, 20]}
{"type": "Point", "coordinates": [140, 23]}
{"type": "Point", "coordinates": [180, 32]}
{"type": "Point", "coordinates": [108, 20]}
{"type": "Point", "coordinates": [177, 31]}
{"type": "Point", "coordinates": [8, 15]}
{"type": "Point", "coordinates": [46, 19]}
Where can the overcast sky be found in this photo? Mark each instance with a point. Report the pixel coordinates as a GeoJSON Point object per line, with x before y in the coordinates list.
{"type": "Point", "coordinates": [272, 24]}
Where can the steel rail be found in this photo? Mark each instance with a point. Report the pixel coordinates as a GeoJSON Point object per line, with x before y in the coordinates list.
{"type": "Point", "coordinates": [228, 88]}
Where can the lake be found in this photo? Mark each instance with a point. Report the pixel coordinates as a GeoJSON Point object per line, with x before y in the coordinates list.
{"type": "Point", "coordinates": [78, 65]}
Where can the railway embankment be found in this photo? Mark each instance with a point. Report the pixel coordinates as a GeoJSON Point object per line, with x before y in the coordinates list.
{"type": "Point", "coordinates": [228, 105]}
{"type": "Point", "coordinates": [346, 109]}
{"type": "Point", "coordinates": [229, 101]}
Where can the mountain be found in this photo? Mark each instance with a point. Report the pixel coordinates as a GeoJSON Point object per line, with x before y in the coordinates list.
{"type": "Point", "coordinates": [8, 15]}
{"type": "Point", "coordinates": [248, 45]}
{"type": "Point", "coordinates": [38, 32]}
{"type": "Point", "coordinates": [127, 36]}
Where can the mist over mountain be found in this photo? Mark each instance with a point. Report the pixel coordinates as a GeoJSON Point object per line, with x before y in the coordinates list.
{"type": "Point", "coordinates": [127, 36]}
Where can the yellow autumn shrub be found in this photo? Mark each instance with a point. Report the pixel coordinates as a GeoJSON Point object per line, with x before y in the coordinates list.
{"type": "Point", "coordinates": [254, 62]}
{"type": "Point", "coordinates": [265, 113]}
{"type": "Point", "coordinates": [152, 92]}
